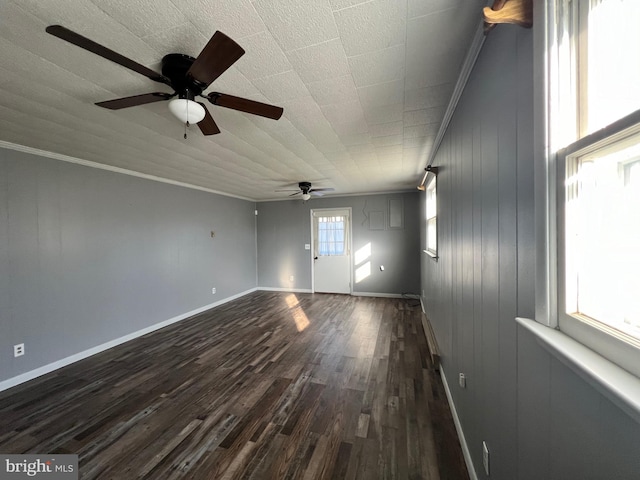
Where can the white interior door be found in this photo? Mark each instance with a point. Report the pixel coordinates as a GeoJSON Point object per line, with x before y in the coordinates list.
{"type": "Point", "coordinates": [331, 250]}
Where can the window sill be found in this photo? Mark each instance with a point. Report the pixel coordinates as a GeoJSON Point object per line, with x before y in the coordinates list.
{"type": "Point", "coordinates": [615, 383]}
{"type": "Point", "coordinates": [431, 254]}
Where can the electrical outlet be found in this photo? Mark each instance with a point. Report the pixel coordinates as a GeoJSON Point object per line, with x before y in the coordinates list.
{"type": "Point", "coordinates": [291, 278]}
{"type": "Point", "coordinates": [18, 350]}
{"type": "Point", "coordinates": [462, 380]}
{"type": "Point", "coordinates": [213, 291]}
{"type": "Point", "coordinates": [485, 457]}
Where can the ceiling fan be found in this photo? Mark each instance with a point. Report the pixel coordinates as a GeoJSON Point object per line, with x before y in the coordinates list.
{"type": "Point", "coordinates": [187, 76]}
{"type": "Point", "coordinates": [305, 189]}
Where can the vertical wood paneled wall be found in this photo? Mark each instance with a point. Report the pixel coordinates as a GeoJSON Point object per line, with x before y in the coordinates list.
{"type": "Point", "coordinates": [472, 292]}
{"type": "Point", "coordinates": [540, 420]}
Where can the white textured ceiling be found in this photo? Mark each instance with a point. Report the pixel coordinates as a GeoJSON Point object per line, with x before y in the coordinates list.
{"type": "Point", "coordinates": [364, 87]}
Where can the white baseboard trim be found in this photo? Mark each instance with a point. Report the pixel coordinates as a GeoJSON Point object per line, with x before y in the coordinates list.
{"type": "Point", "coordinates": [38, 372]}
{"type": "Point", "coordinates": [456, 420]}
{"type": "Point", "coordinates": [422, 305]}
{"type": "Point", "coordinates": [279, 289]}
{"type": "Point", "coordinates": [384, 295]}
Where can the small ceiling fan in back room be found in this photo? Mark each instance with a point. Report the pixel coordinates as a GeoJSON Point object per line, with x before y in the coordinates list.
{"type": "Point", "coordinates": [305, 189]}
{"type": "Point", "coordinates": [187, 76]}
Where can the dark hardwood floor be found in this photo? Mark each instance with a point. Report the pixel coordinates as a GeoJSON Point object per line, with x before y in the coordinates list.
{"type": "Point", "coordinates": [270, 386]}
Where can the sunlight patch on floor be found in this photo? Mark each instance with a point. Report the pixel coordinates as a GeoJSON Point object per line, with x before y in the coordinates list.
{"type": "Point", "coordinates": [299, 317]}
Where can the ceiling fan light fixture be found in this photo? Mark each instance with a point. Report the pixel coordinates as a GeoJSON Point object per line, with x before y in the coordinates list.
{"type": "Point", "coordinates": [306, 196]}
{"type": "Point", "coordinates": [187, 111]}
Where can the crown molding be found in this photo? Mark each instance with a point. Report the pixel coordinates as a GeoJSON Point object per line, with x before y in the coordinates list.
{"type": "Point", "coordinates": [110, 168]}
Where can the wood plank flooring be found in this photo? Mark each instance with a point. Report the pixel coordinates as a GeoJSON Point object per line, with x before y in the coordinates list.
{"type": "Point", "coordinates": [269, 386]}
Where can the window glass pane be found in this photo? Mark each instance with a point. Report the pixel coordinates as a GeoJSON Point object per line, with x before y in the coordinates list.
{"type": "Point", "coordinates": [331, 235]}
{"type": "Point", "coordinates": [431, 200]}
{"type": "Point", "coordinates": [431, 213]}
{"type": "Point", "coordinates": [432, 237]}
{"type": "Point", "coordinates": [603, 236]}
{"type": "Point", "coordinates": [612, 66]}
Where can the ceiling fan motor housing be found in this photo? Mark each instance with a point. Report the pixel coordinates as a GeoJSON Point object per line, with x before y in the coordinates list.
{"type": "Point", "coordinates": [305, 187]}
{"type": "Point", "coordinates": [175, 67]}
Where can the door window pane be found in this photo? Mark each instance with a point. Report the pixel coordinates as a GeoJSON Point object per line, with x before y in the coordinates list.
{"type": "Point", "coordinates": [331, 235]}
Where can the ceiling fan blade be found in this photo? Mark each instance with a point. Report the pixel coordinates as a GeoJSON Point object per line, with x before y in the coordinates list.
{"type": "Point", "coordinates": [93, 47]}
{"type": "Point", "coordinates": [294, 194]}
{"type": "Point", "coordinates": [207, 124]}
{"type": "Point", "coordinates": [135, 100]}
{"type": "Point", "coordinates": [245, 105]}
{"type": "Point", "coordinates": [215, 58]}
{"type": "Point", "coordinates": [325, 189]}
{"type": "Point", "coordinates": [316, 193]}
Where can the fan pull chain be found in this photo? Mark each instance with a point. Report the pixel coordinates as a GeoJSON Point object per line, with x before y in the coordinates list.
{"type": "Point", "coordinates": [186, 124]}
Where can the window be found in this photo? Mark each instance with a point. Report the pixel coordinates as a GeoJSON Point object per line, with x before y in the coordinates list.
{"type": "Point", "coordinates": [331, 235]}
{"type": "Point", "coordinates": [599, 242]}
{"type": "Point", "coordinates": [602, 213]}
{"type": "Point", "coordinates": [432, 216]}
{"type": "Point", "coordinates": [597, 128]}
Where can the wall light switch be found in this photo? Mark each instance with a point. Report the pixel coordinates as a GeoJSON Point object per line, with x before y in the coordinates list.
{"type": "Point", "coordinates": [307, 246]}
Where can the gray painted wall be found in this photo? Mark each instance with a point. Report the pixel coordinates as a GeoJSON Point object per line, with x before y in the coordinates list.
{"type": "Point", "coordinates": [539, 419]}
{"type": "Point", "coordinates": [285, 226]}
{"type": "Point", "coordinates": [88, 256]}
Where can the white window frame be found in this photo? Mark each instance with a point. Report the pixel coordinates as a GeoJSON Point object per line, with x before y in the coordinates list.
{"type": "Point", "coordinates": [552, 111]}
{"type": "Point", "coordinates": [620, 348]}
{"type": "Point", "coordinates": [431, 185]}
